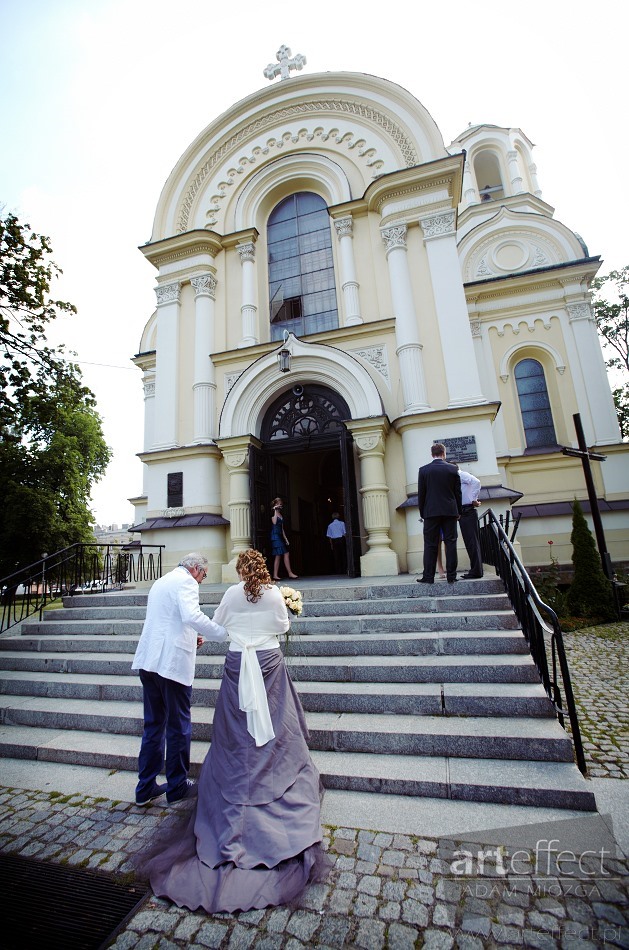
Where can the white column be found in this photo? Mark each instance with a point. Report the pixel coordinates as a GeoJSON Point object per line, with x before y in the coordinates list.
{"type": "Point", "coordinates": [462, 377]}
{"type": "Point", "coordinates": [409, 349]}
{"type": "Point", "coordinates": [236, 455]}
{"type": "Point", "coordinates": [204, 385]}
{"type": "Point", "coordinates": [517, 183]}
{"type": "Point", "coordinates": [344, 228]}
{"type": "Point", "coordinates": [166, 360]}
{"type": "Point", "coordinates": [594, 397]}
{"type": "Point", "coordinates": [249, 308]}
{"type": "Point", "coordinates": [534, 182]}
{"type": "Point", "coordinates": [370, 436]}
{"type": "Point", "coordinates": [470, 194]}
{"type": "Point", "coordinates": [149, 422]}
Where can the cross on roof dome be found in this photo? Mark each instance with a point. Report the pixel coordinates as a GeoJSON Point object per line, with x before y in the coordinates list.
{"type": "Point", "coordinates": [284, 63]}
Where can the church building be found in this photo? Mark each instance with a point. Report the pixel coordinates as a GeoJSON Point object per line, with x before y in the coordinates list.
{"type": "Point", "coordinates": [337, 289]}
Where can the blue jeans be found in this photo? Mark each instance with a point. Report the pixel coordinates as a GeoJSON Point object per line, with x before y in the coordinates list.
{"type": "Point", "coordinates": [167, 725]}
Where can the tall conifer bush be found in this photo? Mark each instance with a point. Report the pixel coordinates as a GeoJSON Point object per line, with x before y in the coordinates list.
{"type": "Point", "coordinates": [590, 594]}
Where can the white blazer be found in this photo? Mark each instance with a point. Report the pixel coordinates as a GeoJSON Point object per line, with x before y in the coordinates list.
{"type": "Point", "coordinates": [168, 644]}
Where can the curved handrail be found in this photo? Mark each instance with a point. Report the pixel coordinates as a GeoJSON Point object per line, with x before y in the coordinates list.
{"type": "Point", "coordinates": [537, 620]}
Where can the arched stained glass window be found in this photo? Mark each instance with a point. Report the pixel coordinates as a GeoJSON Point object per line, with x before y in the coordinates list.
{"type": "Point", "coordinates": [537, 417]}
{"type": "Point", "coordinates": [302, 290]}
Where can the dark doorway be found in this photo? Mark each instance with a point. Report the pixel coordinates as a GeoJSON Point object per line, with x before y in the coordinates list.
{"type": "Point", "coordinates": [306, 458]}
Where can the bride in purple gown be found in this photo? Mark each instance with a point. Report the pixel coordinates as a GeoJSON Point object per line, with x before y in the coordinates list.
{"type": "Point", "coordinates": [253, 839]}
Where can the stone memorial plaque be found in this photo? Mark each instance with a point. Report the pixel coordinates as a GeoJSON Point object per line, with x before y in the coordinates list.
{"type": "Point", "coordinates": [461, 449]}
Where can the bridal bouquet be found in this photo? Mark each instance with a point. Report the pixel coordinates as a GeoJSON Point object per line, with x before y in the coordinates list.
{"type": "Point", "coordinates": [292, 599]}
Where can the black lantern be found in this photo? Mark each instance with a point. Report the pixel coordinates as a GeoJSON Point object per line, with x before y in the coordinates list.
{"type": "Point", "coordinates": [283, 360]}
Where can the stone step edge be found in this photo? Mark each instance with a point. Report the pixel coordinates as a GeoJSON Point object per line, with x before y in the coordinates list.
{"type": "Point", "coordinates": [551, 784]}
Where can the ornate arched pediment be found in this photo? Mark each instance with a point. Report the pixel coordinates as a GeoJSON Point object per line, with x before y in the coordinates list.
{"type": "Point", "coordinates": [261, 383]}
{"type": "Point", "coordinates": [511, 242]}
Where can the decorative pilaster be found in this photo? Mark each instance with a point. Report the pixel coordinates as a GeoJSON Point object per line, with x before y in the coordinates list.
{"type": "Point", "coordinates": [166, 365]}
{"type": "Point", "coordinates": [149, 421]}
{"type": "Point", "coordinates": [204, 385]}
{"type": "Point", "coordinates": [235, 453]}
{"type": "Point", "coordinates": [517, 184]}
{"type": "Point", "coordinates": [370, 437]}
{"type": "Point", "coordinates": [248, 309]}
{"type": "Point", "coordinates": [409, 348]}
{"type": "Point", "coordinates": [462, 377]}
{"type": "Point", "coordinates": [344, 229]}
{"type": "Point", "coordinates": [537, 191]}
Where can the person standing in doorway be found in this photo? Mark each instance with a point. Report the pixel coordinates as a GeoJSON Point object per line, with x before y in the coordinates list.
{"type": "Point", "coordinates": [336, 533]}
{"type": "Point", "coordinates": [165, 657]}
{"type": "Point", "coordinates": [279, 541]}
{"type": "Point", "coordinates": [470, 487]}
{"type": "Point", "coordinates": [439, 499]}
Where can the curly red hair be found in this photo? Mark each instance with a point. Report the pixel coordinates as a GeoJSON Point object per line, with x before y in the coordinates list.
{"type": "Point", "coordinates": [252, 568]}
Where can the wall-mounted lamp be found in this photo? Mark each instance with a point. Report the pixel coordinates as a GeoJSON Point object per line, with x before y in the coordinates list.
{"type": "Point", "coordinates": [283, 357]}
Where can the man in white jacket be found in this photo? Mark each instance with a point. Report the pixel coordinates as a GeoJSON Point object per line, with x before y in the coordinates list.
{"type": "Point", "coordinates": [165, 657]}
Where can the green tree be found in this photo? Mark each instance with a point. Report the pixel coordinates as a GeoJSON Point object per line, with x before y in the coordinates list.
{"type": "Point", "coordinates": [52, 447]}
{"type": "Point", "coordinates": [612, 320]}
{"type": "Point", "coordinates": [590, 594]}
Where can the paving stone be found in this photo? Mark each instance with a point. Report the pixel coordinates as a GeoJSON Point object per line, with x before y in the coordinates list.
{"type": "Point", "coordinates": [341, 902]}
{"type": "Point", "coordinates": [415, 913]}
{"type": "Point", "coordinates": [303, 925]}
{"type": "Point", "coordinates": [370, 934]}
{"type": "Point", "coordinates": [211, 934]}
{"type": "Point", "coordinates": [241, 938]}
{"type": "Point", "coordinates": [437, 940]}
{"type": "Point", "coordinates": [278, 918]}
{"type": "Point", "coordinates": [364, 905]}
{"type": "Point", "coordinates": [444, 915]}
{"type": "Point", "coordinates": [334, 931]}
{"type": "Point", "coordinates": [369, 885]}
{"type": "Point", "coordinates": [607, 912]}
{"type": "Point", "coordinates": [188, 927]}
{"type": "Point", "coordinates": [389, 911]}
{"type": "Point", "coordinates": [125, 941]}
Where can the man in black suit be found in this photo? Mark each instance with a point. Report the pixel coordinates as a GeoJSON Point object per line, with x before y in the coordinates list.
{"type": "Point", "coordinates": [440, 507]}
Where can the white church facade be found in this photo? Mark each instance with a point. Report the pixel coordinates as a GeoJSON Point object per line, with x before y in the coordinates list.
{"type": "Point", "coordinates": [336, 290]}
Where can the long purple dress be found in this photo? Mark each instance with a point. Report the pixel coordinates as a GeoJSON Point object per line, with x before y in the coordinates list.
{"type": "Point", "coordinates": [254, 836]}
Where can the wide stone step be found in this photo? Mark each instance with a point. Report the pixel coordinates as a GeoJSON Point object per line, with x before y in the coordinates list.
{"type": "Point", "coordinates": [377, 624]}
{"type": "Point", "coordinates": [314, 608]}
{"type": "Point", "coordinates": [509, 737]}
{"type": "Point", "coordinates": [483, 668]}
{"type": "Point", "coordinates": [496, 699]}
{"type": "Point", "coordinates": [552, 784]}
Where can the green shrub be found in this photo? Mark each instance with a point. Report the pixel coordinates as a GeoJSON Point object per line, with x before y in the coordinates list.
{"type": "Point", "coordinates": [590, 594]}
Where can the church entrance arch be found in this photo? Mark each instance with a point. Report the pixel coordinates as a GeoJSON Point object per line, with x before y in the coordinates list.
{"type": "Point", "coordinates": [306, 457]}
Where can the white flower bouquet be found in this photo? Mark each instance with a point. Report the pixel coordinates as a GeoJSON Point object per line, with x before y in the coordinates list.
{"type": "Point", "coordinates": [292, 599]}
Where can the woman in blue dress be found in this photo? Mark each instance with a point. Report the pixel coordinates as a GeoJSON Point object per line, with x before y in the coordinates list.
{"type": "Point", "coordinates": [279, 541]}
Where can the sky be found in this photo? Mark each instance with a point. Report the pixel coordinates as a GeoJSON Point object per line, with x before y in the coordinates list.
{"type": "Point", "coordinates": [99, 98]}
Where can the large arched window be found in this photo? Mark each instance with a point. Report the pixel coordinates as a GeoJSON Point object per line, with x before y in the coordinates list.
{"type": "Point", "coordinates": [301, 272]}
{"type": "Point", "coordinates": [537, 417]}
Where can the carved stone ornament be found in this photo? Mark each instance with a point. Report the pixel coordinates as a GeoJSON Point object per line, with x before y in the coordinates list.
{"type": "Point", "coordinates": [246, 252]}
{"type": "Point", "coordinates": [436, 225]}
{"type": "Point", "coordinates": [204, 285]}
{"type": "Point", "coordinates": [344, 227]}
{"type": "Point", "coordinates": [230, 379]}
{"type": "Point", "coordinates": [475, 328]}
{"type": "Point", "coordinates": [394, 237]}
{"type": "Point", "coordinates": [173, 512]}
{"type": "Point", "coordinates": [237, 459]}
{"type": "Point", "coordinates": [167, 293]}
{"type": "Point", "coordinates": [367, 443]}
{"type": "Point", "coordinates": [300, 111]}
{"type": "Point", "coordinates": [579, 311]}
{"type": "Point", "coordinates": [149, 388]}
{"type": "Point", "coordinates": [377, 357]}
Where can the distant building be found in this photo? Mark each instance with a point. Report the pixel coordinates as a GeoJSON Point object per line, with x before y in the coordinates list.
{"type": "Point", "coordinates": [336, 290]}
{"type": "Point", "coordinates": [112, 534]}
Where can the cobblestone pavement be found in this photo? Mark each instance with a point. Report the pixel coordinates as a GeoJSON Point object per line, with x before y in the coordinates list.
{"type": "Point", "coordinates": [598, 659]}
{"type": "Point", "coordinates": [385, 891]}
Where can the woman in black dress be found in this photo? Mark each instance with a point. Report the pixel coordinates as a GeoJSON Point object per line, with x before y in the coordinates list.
{"type": "Point", "coordinates": [279, 541]}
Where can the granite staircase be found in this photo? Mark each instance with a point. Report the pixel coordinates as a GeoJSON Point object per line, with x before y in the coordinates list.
{"type": "Point", "coordinates": [408, 690]}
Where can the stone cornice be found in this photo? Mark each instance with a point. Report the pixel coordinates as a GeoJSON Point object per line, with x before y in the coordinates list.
{"type": "Point", "coordinates": [485, 410]}
{"type": "Point", "coordinates": [341, 335]}
{"type": "Point", "coordinates": [180, 452]}
{"type": "Point", "coordinates": [443, 174]}
{"type": "Point", "coordinates": [181, 247]}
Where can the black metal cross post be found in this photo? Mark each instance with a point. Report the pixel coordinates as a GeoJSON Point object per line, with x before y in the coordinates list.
{"type": "Point", "coordinates": [585, 455]}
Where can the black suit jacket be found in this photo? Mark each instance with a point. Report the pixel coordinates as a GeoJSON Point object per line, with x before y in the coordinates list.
{"type": "Point", "coordinates": [439, 490]}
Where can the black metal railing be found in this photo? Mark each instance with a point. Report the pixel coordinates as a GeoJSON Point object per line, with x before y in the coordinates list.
{"type": "Point", "coordinates": [539, 623]}
{"type": "Point", "coordinates": [76, 570]}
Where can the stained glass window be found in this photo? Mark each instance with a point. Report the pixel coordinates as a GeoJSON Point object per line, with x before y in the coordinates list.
{"type": "Point", "coordinates": [537, 417]}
